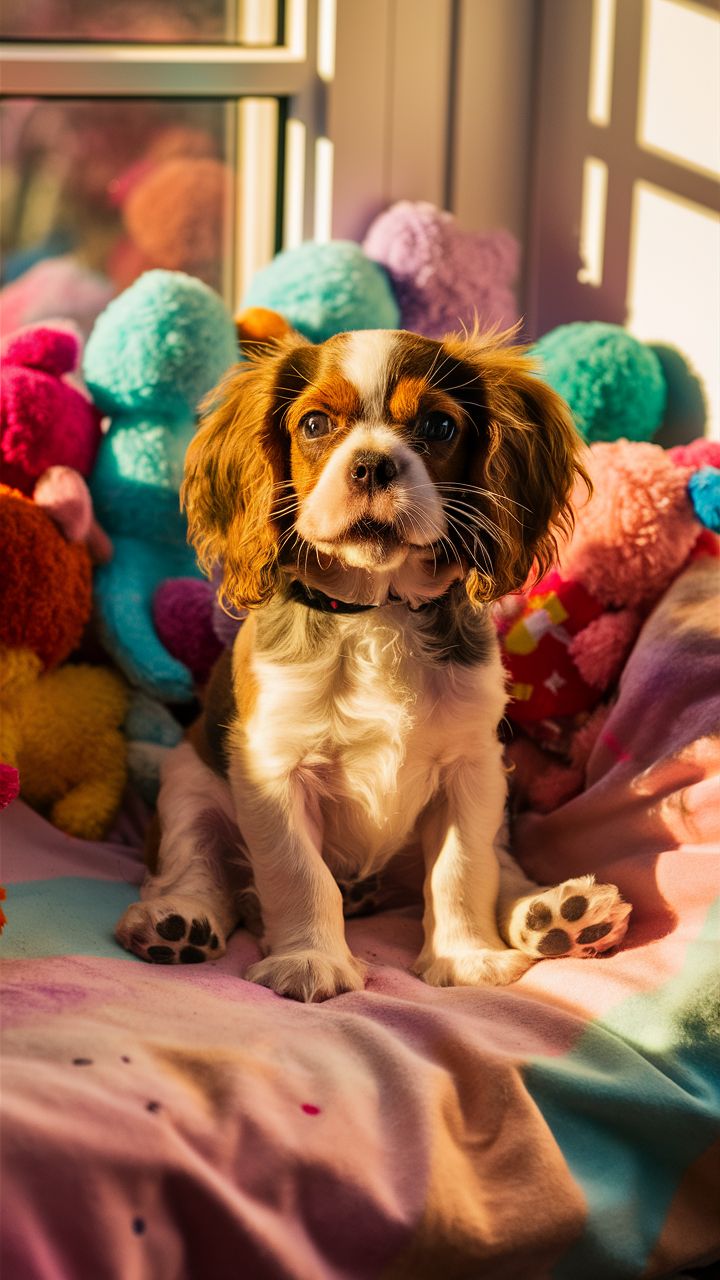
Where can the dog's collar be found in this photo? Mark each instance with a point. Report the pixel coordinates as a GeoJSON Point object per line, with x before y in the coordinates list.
{"type": "Point", "coordinates": [300, 593]}
{"type": "Point", "coordinates": [313, 599]}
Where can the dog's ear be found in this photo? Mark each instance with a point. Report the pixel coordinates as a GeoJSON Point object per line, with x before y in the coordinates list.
{"type": "Point", "coordinates": [526, 461]}
{"type": "Point", "coordinates": [235, 472]}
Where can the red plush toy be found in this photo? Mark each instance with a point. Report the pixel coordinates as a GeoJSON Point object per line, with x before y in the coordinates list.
{"type": "Point", "coordinates": [45, 421]}
{"type": "Point", "coordinates": [565, 641]}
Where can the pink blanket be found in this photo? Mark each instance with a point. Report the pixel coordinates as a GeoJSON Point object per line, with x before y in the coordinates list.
{"type": "Point", "coordinates": [163, 1123]}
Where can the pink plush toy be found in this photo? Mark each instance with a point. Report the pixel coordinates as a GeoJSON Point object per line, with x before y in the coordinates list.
{"type": "Point", "coordinates": [444, 277]}
{"type": "Point", "coordinates": [45, 421]}
{"type": "Point", "coordinates": [54, 288]}
{"type": "Point", "coordinates": [566, 640]}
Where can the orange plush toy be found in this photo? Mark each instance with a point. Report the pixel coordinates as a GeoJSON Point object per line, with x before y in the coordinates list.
{"type": "Point", "coordinates": [59, 728]}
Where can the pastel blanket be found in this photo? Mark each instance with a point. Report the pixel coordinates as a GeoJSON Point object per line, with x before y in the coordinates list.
{"type": "Point", "coordinates": [164, 1123]}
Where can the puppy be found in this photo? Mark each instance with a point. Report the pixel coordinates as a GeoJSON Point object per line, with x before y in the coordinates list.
{"type": "Point", "coordinates": [368, 499]}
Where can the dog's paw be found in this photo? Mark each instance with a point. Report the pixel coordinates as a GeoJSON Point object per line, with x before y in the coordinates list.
{"type": "Point", "coordinates": [577, 918]}
{"type": "Point", "coordinates": [171, 931]}
{"type": "Point", "coordinates": [308, 975]}
{"type": "Point", "coordinates": [472, 967]}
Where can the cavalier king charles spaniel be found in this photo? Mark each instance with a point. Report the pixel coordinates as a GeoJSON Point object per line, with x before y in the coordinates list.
{"type": "Point", "coordinates": [368, 499]}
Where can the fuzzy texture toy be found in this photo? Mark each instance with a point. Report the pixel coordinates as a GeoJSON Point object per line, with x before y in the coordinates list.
{"type": "Point", "coordinates": [614, 384]}
{"type": "Point", "coordinates": [59, 728]}
{"type": "Point", "coordinates": [153, 355]}
{"type": "Point", "coordinates": [183, 617]}
{"type": "Point", "coordinates": [323, 289]}
{"type": "Point", "coordinates": [53, 289]}
{"type": "Point", "coordinates": [176, 215]}
{"type": "Point", "coordinates": [44, 420]}
{"type": "Point", "coordinates": [444, 278]}
{"type": "Point", "coordinates": [9, 786]}
{"type": "Point", "coordinates": [566, 640]}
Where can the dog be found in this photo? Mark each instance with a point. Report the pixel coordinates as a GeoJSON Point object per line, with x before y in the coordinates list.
{"type": "Point", "coordinates": [368, 498]}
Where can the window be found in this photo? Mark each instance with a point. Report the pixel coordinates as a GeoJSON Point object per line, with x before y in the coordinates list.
{"type": "Point", "coordinates": [174, 133]}
{"type": "Point", "coordinates": [625, 223]}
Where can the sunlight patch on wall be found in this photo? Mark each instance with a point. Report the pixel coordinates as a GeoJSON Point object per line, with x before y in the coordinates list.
{"type": "Point", "coordinates": [679, 103]}
{"type": "Point", "coordinates": [674, 282]}
{"type": "Point", "coordinates": [601, 62]}
{"type": "Point", "coordinates": [592, 226]}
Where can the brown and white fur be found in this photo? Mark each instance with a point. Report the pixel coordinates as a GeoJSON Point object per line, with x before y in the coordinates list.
{"type": "Point", "coordinates": [427, 479]}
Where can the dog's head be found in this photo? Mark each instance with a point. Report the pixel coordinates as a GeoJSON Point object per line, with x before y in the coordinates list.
{"type": "Point", "coordinates": [377, 447]}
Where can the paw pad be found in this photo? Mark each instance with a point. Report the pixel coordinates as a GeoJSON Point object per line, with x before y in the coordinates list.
{"type": "Point", "coordinates": [570, 920]}
{"type": "Point", "coordinates": [162, 934]}
{"type": "Point", "coordinates": [555, 943]}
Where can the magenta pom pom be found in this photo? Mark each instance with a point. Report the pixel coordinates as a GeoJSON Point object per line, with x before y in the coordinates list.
{"type": "Point", "coordinates": [45, 421]}
{"type": "Point", "coordinates": [9, 785]}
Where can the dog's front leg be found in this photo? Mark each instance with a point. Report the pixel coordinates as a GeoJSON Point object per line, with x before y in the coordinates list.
{"type": "Point", "coordinates": [462, 945]}
{"type": "Point", "coordinates": [308, 957]}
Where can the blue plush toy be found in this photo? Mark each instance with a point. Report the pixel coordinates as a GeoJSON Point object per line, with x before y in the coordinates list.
{"type": "Point", "coordinates": [324, 289]}
{"type": "Point", "coordinates": [154, 353]}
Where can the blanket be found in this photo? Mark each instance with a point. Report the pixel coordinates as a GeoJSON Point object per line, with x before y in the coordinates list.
{"type": "Point", "coordinates": [170, 1122]}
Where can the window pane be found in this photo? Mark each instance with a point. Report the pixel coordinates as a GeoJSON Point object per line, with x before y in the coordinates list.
{"type": "Point", "coordinates": [247, 22]}
{"type": "Point", "coordinates": [680, 106]}
{"type": "Point", "coordinates": [120, 186]}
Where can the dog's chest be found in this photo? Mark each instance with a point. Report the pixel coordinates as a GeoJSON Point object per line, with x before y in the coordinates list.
{"type": "Point", "coordinates": [369, 728]}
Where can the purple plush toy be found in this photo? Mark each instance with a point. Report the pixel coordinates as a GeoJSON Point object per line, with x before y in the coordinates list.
{"type": "Point", "coordinates": [444, 277]}
{"type": "Point", "coordinates": [183, 615]}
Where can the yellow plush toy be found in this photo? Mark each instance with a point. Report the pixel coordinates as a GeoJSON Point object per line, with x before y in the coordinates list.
{"type": "Point", "coordinates": [59, 728]}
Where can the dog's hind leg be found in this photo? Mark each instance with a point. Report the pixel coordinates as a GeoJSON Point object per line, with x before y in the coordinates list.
{"type": "Point", "coordinates": [191, 903]}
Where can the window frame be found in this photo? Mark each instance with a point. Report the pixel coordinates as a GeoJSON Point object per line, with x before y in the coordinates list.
{"type": "Point", "coordinates": [288, 73]}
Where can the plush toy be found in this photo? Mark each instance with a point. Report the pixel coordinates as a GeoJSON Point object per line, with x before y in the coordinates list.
{"type": "Point", "coordinates": [152, 356]}
{"type": "Point", "coordinates": [52, 289]}
{"type": "Point", "coordinates": [59, 726]}
{"type": "Point", "coordinates": [618, 387]}
{"type": "Point", "coordinates": [183, 616]}
{"type": "Point", "coordinates": [44, 419]}
{"type": "Point", "coordinates": [324, 289]}
{"type": "Point", "coordinates": [565, 640]}
{"type": "Point", "coordinates": [176, 215]}
{"type": "Point", "coordinates": [150, 731]}
{"type": "Point", "coordinates": [444, 278]}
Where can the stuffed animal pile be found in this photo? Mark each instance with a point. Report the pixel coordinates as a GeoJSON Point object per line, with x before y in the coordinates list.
{"type": "Point", "coordinates": [60, 726]}
{"type": "Point", "coordinates": [565, 640]}
{"type": "Point", "coordinates": [69, 731]}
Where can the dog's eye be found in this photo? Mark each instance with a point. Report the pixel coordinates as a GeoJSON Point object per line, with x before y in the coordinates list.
{"type": "Point", "coordinates": [315, 425]}
{"type": "Point", "coordinates": [435, 427]}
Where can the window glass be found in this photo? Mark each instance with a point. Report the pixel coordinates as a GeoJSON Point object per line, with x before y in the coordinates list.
{"type": "Point", "coordinates": [119, 186]}
{"type": "Point", "coordinates": [255, 22]}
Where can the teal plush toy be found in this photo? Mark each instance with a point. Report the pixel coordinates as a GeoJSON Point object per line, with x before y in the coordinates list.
{"type": "Point", "coordinates": [614, 384]}
{"type": "Point", "coordinates": [620, 388]}
{"type": "Point", "coordinates": [154, 353]}
{"type": "Point", "coordinates": [324, 289]}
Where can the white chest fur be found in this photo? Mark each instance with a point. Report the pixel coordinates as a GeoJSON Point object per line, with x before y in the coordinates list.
{"type": "Point", "coordinates": [367, 725]}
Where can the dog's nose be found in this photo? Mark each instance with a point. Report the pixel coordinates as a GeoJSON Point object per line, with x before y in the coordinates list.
{"type": "Point", "coordinates": [371, 470]}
